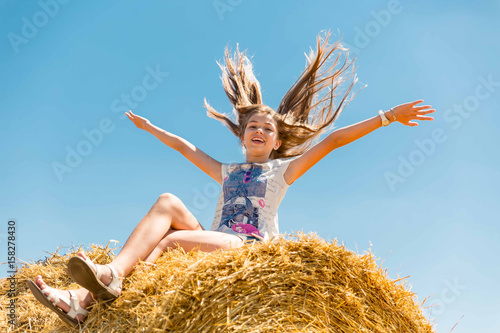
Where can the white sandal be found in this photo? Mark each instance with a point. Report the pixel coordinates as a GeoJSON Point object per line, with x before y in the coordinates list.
{"type": "Point", "coordinates": [88, 275]}
{"type": "Point", "coordinates": [51, 301]}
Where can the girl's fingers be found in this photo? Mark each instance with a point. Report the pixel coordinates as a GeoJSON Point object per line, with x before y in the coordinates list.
{"type": "Point", "coordinates": [425, 111]}
{"type": "Point", "coordinates": [423, 107]}
{"type": "Point", "coordinates": [416, 102]}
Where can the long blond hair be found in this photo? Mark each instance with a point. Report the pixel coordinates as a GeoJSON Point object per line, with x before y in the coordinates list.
{"type": "Point", "coordinates": [303, 113]}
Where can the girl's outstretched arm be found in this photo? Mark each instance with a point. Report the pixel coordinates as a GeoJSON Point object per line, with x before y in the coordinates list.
{"type": "Point", "coordinates": [203, 161]}
{"type": "Point", "coordinates": [404, 114]}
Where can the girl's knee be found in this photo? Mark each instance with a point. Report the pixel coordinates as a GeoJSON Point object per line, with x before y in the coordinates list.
{"type": "Point", "coordinates": [167, 197]}
{"type": "Point", "coordinates": [182, 218]}
{"type": "Point", "coordinates": [168, 200]}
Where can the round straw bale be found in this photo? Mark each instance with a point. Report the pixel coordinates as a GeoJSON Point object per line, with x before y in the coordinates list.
{"type": "Point", "coordinates": [291, 284]}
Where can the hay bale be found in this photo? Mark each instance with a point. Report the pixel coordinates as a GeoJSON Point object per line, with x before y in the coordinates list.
{"type": "Point", "coordinates": [303, 284]}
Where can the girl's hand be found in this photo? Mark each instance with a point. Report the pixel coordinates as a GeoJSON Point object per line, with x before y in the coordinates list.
{"type": "Point", "coordinates": [139, 121]}
{"type": "Point", "coordinates": [409, 111]}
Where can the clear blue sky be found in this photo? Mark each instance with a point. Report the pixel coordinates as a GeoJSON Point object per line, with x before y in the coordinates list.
{"type": "Point", "coordinates": [425, 197]}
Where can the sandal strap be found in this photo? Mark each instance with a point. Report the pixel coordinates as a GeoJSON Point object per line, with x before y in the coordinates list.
{"type": "Point", "coordinates": [73, 303]}
{"type": "Point", "coordinates": [75, 308]}
{"type": "Point", "coordinates": [115, 280]}
{"type": "Point", "coordinates": [54, 296]}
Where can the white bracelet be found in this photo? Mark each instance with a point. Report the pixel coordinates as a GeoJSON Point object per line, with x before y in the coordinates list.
{"type": "Point", "coordinates": [385, 121]}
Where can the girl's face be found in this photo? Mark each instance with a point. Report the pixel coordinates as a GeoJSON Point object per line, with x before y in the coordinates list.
{"type": "Point", "coordinates": [261, 136]}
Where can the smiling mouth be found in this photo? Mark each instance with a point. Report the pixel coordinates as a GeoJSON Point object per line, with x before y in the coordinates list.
{"type": "Point", "coordinates": [258, 141]}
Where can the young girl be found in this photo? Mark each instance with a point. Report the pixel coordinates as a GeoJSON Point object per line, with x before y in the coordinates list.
{"type": "Point", "coordinates": [277, 146]}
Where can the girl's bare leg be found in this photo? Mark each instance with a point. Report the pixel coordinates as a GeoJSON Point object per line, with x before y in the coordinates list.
{"type": "Point", "coordinates": [202, 240]}
{"type": "Point", "coordinates": [168, 213]}
{"type": "Point", "coordinates": [167, 224]}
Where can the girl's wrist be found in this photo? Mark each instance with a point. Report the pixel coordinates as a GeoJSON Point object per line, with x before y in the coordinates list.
{"type": "Point", "coordinates": [390, 115]}
{"type": "Point", "coordinates": [148, 127]}
{"type": "Point", "coordinates": [393, 114]}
